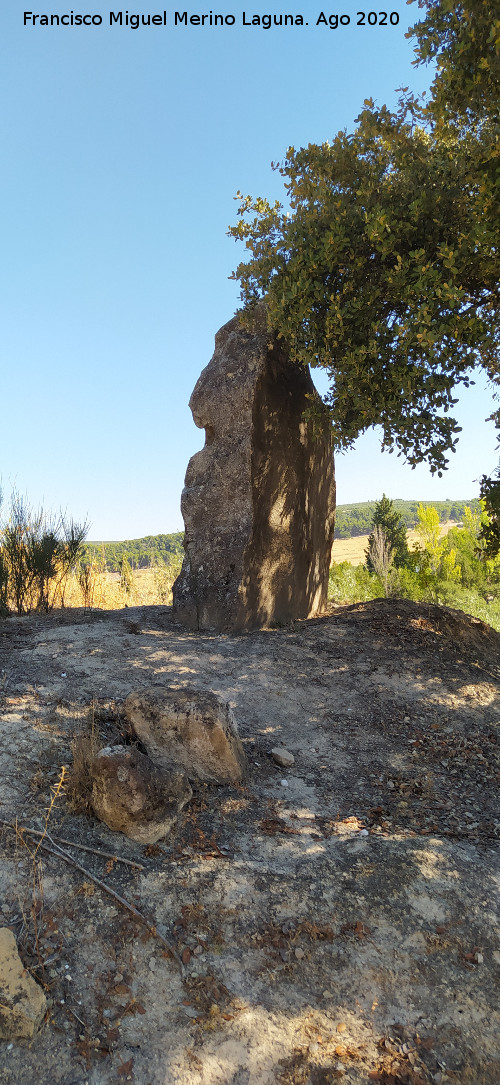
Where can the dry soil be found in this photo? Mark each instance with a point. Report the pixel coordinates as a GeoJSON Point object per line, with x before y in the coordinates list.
{"type": "Point", "coordinates": [337, 922]}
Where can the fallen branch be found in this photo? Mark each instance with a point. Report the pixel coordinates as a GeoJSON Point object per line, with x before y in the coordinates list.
{"type": "Point", "coordinates": [73, 844]}
{"type": "Point", "coordinates": [60, 853]}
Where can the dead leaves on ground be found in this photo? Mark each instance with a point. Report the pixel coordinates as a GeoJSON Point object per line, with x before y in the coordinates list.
{"type": "Point", "coordinates": [287, 940]}
{"type": "Point", "coordinates": [274, 825]}
{"type": "Point", "coordinates": [212, 1001]}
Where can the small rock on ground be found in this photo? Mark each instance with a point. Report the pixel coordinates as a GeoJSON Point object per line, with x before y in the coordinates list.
{"type": "Point", "coordinates": [283, 757]}
{"type": "Point", "coordinates": [22, 1001]}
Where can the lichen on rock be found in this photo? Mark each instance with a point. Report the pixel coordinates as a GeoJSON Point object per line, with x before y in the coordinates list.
{"type": "Point", "coordinates": [192, 729]}
{"type": "Point", "coordinates": [259, 499]}
{"type": "Point", "coordinates": [135, 797]}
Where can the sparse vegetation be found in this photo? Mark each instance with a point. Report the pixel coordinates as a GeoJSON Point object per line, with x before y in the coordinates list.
{"type": "Point", "coordinates": [85, 747]}
{"type": "Point", "coordinates": [45, 563]}
{"type": "Point", "coordinates": [149, 552]}
{"type": "Point", "coordinates": [453, 570]}
{"type": "Point", "coordinates": [38, 554]}
{"type": "Point", "coordinates": [357, 519]}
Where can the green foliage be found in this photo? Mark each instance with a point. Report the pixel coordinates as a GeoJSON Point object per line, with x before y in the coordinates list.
{"type": "Point", "coordinates": [382, 266]}
{"type": "Point", "coordinates": [357, 519]}
{"type": "Point", "coordinates": [464, 40]}
{"type": "Point", "coordinates": [150, 551]}
{"type": "Point", "coordinates": [353, 584]}
{"type": "Point", "coordinates": [471, 602]}
{"type": "Point", "coordinates": [126, 578]}
{"type": "Point", "coordinates": [490, 528]}
{"type": "Point", "coordinates": [405, 584]}
{"type": "Point", "coordinates": [454, 570]}
{"type": "Point", "coordinates": [388, 519]}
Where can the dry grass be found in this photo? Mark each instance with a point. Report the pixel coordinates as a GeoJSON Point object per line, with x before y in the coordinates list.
{"type": "Point", "coordinates": [149, 587]}
{"type": "Point", "coordinates": [84, 748]}
{"type": "Point", "coordinates": [353, 550]}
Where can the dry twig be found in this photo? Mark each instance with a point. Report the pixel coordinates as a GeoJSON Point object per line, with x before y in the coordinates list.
{"type": "Point", "coordinates": [74, 844]}
{"type": "Point", "coordinates": [60, 853]}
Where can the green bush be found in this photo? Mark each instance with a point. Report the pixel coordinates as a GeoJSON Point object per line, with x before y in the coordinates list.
{"type": "Point", "coordinates": [404, 584]}
{"type": "Point", "coordinates": [471, 602]}
{"type": "Point", "coordinates": [353, 584]}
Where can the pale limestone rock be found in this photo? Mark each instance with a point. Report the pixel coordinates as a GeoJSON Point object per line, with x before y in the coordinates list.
{"type": "Point", "coordinates": [259, 499]}
{"type": "Point", "coordinates": [193, 729]}
{"type": "Point", "coordinates": [133, 796]}
{"type": "Point", "coordinates": [283, 757]}
{"type": "Point", "coordinates": [22, 1001]}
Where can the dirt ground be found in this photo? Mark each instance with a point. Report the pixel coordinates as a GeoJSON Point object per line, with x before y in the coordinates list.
{"type": "Point", "coordinates": [337, 922]}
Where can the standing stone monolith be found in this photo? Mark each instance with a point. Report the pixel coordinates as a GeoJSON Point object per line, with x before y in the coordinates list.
{"type": "Point", "coordinates": [259, 499]}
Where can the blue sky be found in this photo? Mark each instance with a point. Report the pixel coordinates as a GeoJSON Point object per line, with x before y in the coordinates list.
{"type": "Point", "coordinates": [122, 153]}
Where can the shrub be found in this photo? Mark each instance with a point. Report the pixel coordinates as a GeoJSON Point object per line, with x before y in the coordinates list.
{"type": "Point", "coordinates": [353, 584]}
{"type": "Point", "coordinates": [37, 555]}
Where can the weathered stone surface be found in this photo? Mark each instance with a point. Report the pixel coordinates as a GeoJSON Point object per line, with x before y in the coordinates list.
{"type": "Point", "coordinates": [133, 796]}
{"type": "Point", "coordinates": [259, 499]}
{"type": "Point", "coordinates": [194, 729]}
{"type": "Point", "coordinates": [22, 1001]}
{"type": "Point", "coordinates": [283, 757]}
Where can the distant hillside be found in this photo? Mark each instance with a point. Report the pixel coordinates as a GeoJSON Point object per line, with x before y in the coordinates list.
{"type": "Point", "coordinates": [140, 553]}
{"type": "Point", "coordinates": [357, 519]}
{"type": "Point", "coordinates": [351, 520]}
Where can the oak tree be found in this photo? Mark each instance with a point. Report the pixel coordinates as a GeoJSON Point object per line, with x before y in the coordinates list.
{"type": "Point", "coordinates": [382, 264]}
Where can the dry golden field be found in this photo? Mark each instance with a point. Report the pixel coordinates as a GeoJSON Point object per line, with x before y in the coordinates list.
{"type": "Point", "coordinates": [153, 586]}
{"type": "Point", "coordinates": [353, 550]}
{"type": "Point", "coordinates": [148, 587]}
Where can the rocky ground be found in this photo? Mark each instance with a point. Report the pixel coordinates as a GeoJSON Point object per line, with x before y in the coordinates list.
{"type": "Point", "coordinates": [337, 921]}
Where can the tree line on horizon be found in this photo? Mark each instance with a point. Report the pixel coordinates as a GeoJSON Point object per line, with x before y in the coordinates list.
{"type": "Point", "coordinates": [352, 519]}
{"type": "Point", "coordinates": [144, 553]}
{"type": "Point", "coordinates": [357, 518]}
{"type": "Point", "coordinates": [457, 569]}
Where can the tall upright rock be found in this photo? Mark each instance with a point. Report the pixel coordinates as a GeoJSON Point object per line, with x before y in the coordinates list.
{"type": "Point", "coordinates": [259, 499]}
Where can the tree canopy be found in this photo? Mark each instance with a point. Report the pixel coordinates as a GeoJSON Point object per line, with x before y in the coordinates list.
{"type": "Point", "coordinates": [382, 265]}
{"type": "Point", "coordinates": [388, 520]}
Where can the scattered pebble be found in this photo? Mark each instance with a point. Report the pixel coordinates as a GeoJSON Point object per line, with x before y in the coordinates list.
{"type": "Point", "coordinates": [284, 783]}
{"type": "Point", "coordinates": [363, 832]}
{"type": "Point", "coordinates": [283, 757]}
{"type": "Point", "coordinates": [479, 958]}
{"type": "Point", "coordinates": [299, 953]}
{"type": "Point", "coordinates": [496, 956]}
